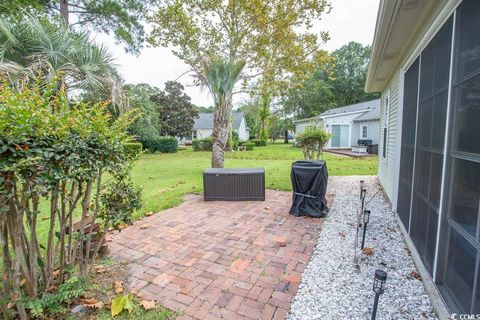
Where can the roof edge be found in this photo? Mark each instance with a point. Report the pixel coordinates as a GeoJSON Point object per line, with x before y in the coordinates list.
{"type": "Point", "coordinates": [385, 15]}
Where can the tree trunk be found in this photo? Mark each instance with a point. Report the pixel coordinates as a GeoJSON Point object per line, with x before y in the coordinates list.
{"type": "Point", "coordinates": [64, 12]}
{"type": "Point", "coordinates": [285, 140]}
{"type": "Point", "coordinates": [218, 155]}
{"type": "Point", "coordinates": [221, 130]}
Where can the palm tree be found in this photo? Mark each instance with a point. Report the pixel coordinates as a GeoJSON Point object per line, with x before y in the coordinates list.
{"type": "Point", "coordinates": [38, 47]}
{"type": "Point", "coordinates": [220, 75]}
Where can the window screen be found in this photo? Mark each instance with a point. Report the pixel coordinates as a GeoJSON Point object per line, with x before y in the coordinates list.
{"type": "Point", "coordinates": [460, 278]}
{"type": "Point", "coordinates": [430, 141]}
{"type": "Point", "coordinates": [409, 121]}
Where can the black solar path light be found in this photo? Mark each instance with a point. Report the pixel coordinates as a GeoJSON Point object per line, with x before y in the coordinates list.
{"type": "Point", "coordinates": [378, 288]}
{"type": "Point", "coordinates": [366, 219]}
{"type": "Point", "coordinates": [362, 184]}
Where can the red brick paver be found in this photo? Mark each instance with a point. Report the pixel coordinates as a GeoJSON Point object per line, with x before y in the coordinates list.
{"type": "Point", "coordinates": [220, 260]}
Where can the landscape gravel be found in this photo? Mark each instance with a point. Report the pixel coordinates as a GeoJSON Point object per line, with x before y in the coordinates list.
{"type": "Point", "coordinates": [334, 287]}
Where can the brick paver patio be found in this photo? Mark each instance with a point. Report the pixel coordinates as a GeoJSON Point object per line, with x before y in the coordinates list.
{"type": "Point", "coordinates": [220, 260]}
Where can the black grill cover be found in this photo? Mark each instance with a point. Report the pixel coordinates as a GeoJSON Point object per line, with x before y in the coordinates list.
{"type": "Point", "coordinates": [309, 183]}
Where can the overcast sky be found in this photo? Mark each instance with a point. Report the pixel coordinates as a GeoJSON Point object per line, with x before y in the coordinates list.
{"type": "Point", "coordinates": [349, 20]}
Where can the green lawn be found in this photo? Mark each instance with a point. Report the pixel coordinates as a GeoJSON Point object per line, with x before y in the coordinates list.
{"type": "Point", "coordinates": [165, 178]}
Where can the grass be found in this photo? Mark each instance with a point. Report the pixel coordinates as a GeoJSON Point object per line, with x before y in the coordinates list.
{"type": "Point", "coordinates": [165, 178]}
{"type": "Point", "coordinates": [159, 313]}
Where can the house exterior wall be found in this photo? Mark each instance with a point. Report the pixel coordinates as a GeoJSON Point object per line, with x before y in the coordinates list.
{"type": "Point", "coordinates": [204, 133]}
{"type": "Point", "coordinates": [389, 119]}
{"type": "Point", "coordinates": [373, 131]}
{"type": "Point", "coordinates": [345, 119]}
{"type": "Point", "coordinates": [438, 223]}
{"type": "Point", "coordinates": [301, 126]}
{"type": "Point", "coordinates": [242, 131]}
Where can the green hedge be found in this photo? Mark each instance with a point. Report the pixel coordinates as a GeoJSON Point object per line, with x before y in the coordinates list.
{"type": "Point", "coordinates": [249, 146]}
{"type": "Point", "coordinates": [132, 149]}
{"type": "Point", "coordinates": [202, 144]}
{"type": "Point", "coordinates": [259, 142]}
{"type": "Point", "coordinates": [235, 140]}
{"type": "Point", "coordinates": [160, 144]}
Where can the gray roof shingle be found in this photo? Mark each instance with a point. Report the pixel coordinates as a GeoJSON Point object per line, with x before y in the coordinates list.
{"type": "Point", "coordinates": [372, 104]}
{"type": "Point", "coordinates": [373, 114]}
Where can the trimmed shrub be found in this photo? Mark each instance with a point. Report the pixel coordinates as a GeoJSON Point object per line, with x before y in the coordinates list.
{"type": "Point", "coordinates": [249, 146]}
{"type": "Point", "coordinates": [312, 141]}
{"type": "Point", "coordinates": [202, 144]}
{"type": "Point", "coordinates": [235, 140]}
{"type": "Point", "coordinates": [259, 142]}
{"type": "Point", "coordinates": [132, 149]}
{"type": "Point", "coordinates": [160, 144]}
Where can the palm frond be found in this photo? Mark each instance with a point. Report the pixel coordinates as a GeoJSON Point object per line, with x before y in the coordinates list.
{"type": "Point", "coordinates": [53, 50]}
{"type": "Point", "coordinates": [221, 75]}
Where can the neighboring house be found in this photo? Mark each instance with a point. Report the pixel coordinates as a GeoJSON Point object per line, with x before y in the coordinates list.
{"type": "Point", "coordinates": [426, 64]}
{"type": "Point", "coordinates": [203, 126]}
{"type": "Point", "coordinates": [348, 124]}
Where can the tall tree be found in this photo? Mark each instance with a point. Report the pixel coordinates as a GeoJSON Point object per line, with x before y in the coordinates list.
{"type": "Point", "coordinates": [123, 18]}
{"type": "Point", "coordinates": [309, 97]}
{"type": "Point", "coordinates": [148, 124]}
{"type": "Point", "coordinates": [176, 112]}
{"type": "Point", "coordinates": [269, 37]}
{"type": "Point", "coordinates": [250, 110]}
{"type": "Point", "coordinates": [38, 47]}
{"type": "Point", "coordinates": [339, 83]}
{"type": "Point", "coordinates": [221, 75]}
{"type": "Point", "coordinates": [350, 73]}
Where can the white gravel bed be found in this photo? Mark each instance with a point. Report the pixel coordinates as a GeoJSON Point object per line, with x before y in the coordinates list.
{"type": "Point", "coordinates": [333, 287]}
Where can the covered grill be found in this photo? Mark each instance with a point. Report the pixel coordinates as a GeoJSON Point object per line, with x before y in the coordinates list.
{"type": "Point", "coordinates": [309, 183]}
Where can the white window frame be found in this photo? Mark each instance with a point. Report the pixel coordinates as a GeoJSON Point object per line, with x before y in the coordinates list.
{"type": "Point", "coordinates": [386, 121]}
{"type": "Point", "coordinates": [366, 131]}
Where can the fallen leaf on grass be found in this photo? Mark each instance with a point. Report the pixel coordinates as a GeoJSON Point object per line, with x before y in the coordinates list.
{"type": "Point", "coordinates": [98, 268]}
{"type": "Point", "coordinates": [92, 303]}
{"type": "Point", "coordinates": [10, 305]}
{"type": "Point", "coordinates": [147, 304]}
{"type": "Point", "coordinates": [367, 251]}
{"type": "Point", "coordinates": [118, 286]}
{"type": "Point", "coordinates": [148, 214]}
{"type": "Point", "coordinates": [121, 303]}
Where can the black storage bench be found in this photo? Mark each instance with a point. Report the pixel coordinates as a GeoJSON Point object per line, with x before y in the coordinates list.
{"type": "Point", "coordinates": [240, 184]}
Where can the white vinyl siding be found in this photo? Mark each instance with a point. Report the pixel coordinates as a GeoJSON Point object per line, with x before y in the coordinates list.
{"type": "Point", "coordinates": [386, 166]}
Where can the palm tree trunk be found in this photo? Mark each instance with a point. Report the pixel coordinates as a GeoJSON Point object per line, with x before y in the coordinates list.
{"type": "Point", "coordinates": [64, 12]}
{"type": "Point", "coordinates": [221, 130]}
